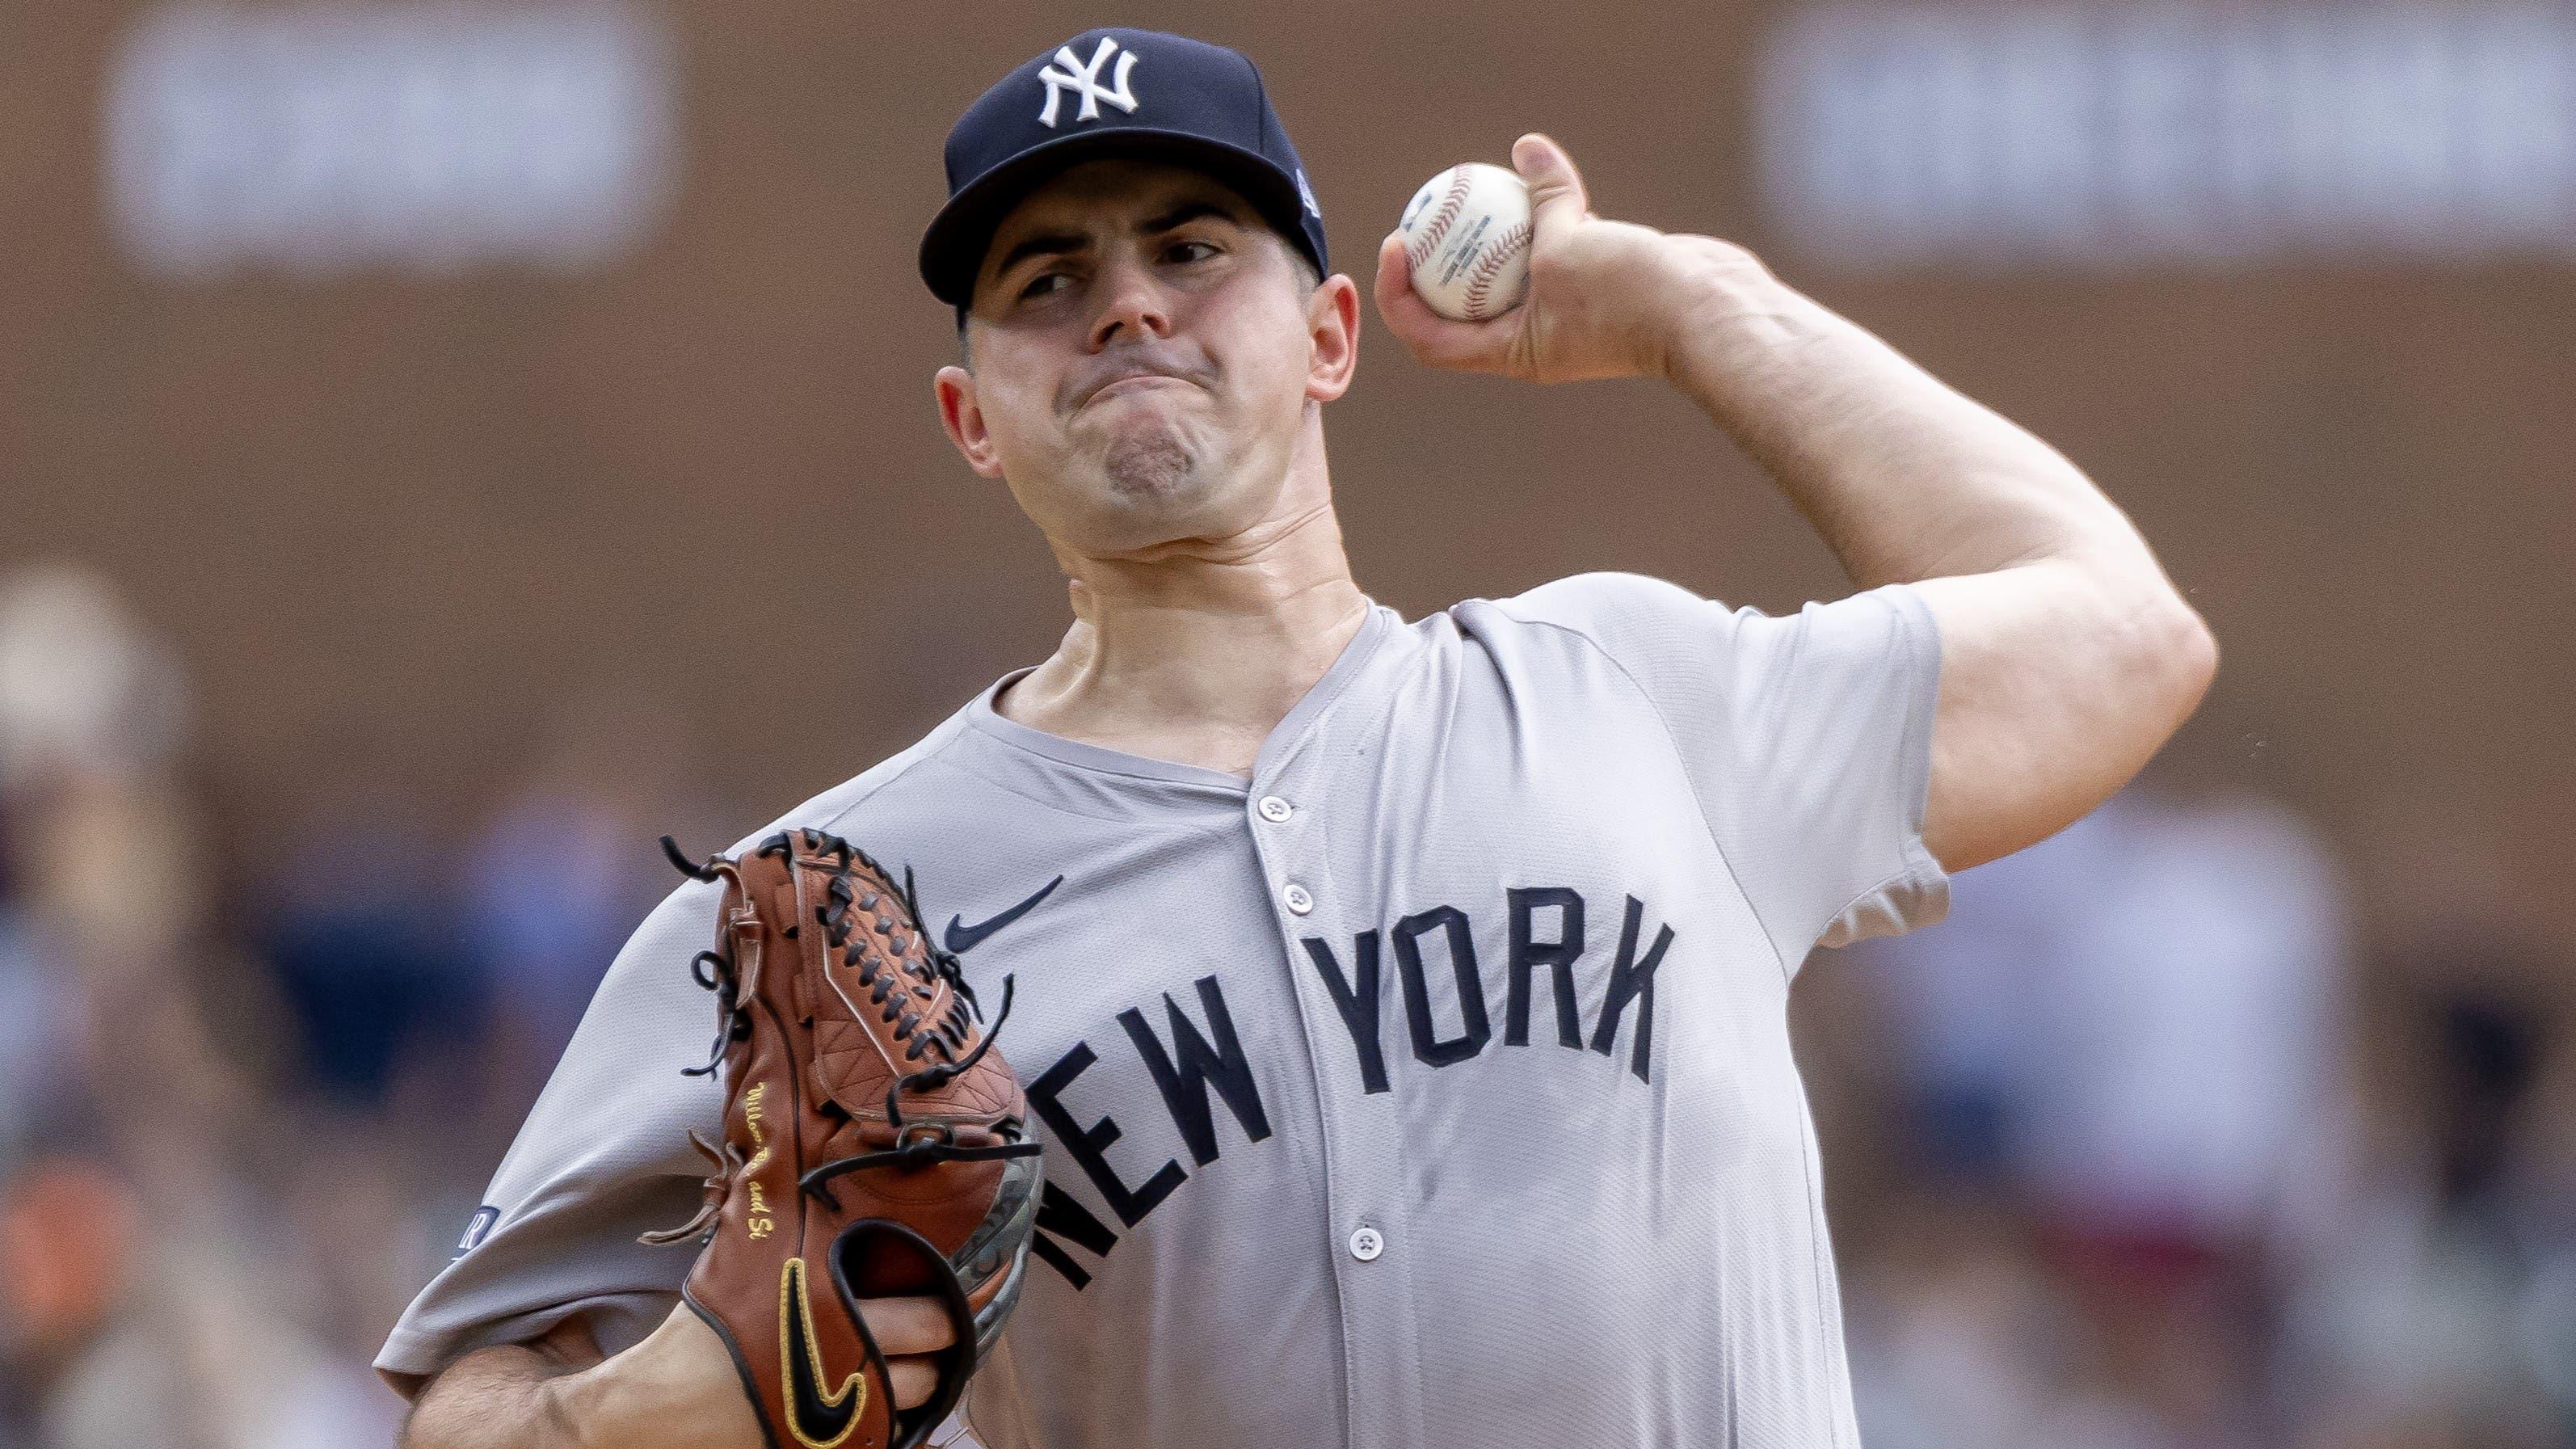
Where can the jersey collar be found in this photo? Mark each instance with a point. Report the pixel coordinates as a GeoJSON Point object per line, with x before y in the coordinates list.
{"type": "Point", "coordinates": [1381, 623]}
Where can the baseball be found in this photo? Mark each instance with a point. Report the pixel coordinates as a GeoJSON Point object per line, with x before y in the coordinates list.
{"type": "Point", "coordinates": [1467, 236]}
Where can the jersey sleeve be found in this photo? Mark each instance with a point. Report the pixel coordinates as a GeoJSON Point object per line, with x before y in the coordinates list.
{"type": "Point", "coordinates": [603, 1155]}
{"type": "Point", "coordinates": [1807, 739]}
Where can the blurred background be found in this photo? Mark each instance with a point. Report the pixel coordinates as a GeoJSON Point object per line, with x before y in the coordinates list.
{"type": "Point", "coordinates": [410, 414]}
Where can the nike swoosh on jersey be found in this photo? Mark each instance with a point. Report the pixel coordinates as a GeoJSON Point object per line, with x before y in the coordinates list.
{"type": "Point", "coordinates": [962, 937]}
{"type": "Point", "coordinates": [817, 1420]}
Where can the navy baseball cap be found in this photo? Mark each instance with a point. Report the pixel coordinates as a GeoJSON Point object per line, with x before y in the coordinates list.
{"type": "Point", "coordinates": [1114, 92]}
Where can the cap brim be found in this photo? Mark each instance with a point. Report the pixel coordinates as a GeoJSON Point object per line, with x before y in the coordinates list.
{"type": "Point", "coordinates": [952, 249]}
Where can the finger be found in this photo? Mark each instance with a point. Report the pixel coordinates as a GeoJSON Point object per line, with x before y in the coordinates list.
{"type": "Point", "coordinates": [908, 1325]}
{"type": "Point", "coordinates": [1432, 338]}
{"type": "Point", "coordinates": [1557, 197]}
{"type": "Point", "coordinates": [912, 1380]}
{"type": "Point", "coordinates": [1397, 302]}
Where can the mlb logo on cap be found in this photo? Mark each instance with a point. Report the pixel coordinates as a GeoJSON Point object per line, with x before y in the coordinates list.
{"type": "Point", "coordinates": [1114, 92]}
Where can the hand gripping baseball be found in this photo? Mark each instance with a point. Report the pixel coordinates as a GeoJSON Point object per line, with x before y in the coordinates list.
{"type": "Point", "coordinates": [874, 1144]}
{"type": "Point", "coordinates": [1601, 299]}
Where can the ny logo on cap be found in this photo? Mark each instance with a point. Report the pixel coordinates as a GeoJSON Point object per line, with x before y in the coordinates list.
{"type": "Point", "coordinates": [1070, 74]}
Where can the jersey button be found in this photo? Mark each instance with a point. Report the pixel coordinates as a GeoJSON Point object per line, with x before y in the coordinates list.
{"type": "Point", "coordinates": [1366, 1244]}
{"type": "Point", "coordinates": [1298, 900]}
{"type": "Point", "coordinates": [1274, 809]}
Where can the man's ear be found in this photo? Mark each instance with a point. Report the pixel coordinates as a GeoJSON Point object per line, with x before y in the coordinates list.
{"type": "Point", "coordinates": [1333, 326]}
{"type": "Point", "coordinates": [964, 419]}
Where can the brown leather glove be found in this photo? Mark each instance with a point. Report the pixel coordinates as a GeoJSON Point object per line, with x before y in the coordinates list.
{"type": "Point", "coordinates": [874, 1144]}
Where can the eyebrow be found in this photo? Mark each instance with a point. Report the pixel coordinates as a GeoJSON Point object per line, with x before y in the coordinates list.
{"type": "Point", "coordinates": [1060, 243]}
{"type": "Point", "coordinates": [1048, 244]}
{"type": "Point", "coordinates": [1182, 215]}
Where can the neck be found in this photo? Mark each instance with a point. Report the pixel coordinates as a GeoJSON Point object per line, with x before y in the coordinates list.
{"type": "Point", "coordinates": [1195, 650]}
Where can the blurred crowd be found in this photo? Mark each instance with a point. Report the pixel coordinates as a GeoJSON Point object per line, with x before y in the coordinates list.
{"type": "Point", "coordinates": [2151, 1146]}
{"type": "Point", "coordinates": [250, 1090]}
{"type": "Point", "coordinates": [2161, 1142]}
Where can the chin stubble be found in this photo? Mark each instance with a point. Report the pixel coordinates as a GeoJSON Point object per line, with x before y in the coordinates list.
{"type": "Point", "coordinates": [1146, 465]}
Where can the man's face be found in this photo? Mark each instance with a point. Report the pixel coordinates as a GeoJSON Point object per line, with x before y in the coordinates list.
{"type": "Point", "coordinates": [1144, 351]}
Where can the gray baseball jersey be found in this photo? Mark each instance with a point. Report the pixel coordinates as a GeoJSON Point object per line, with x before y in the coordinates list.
{"type": "Point", "coordinates": [1432, 1088]}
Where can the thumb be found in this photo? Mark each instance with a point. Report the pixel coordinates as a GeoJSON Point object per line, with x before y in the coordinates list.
{"type": "Point", "coordinates": [1557, 199]}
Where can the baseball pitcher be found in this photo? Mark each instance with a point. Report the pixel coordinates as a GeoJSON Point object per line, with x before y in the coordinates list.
{"type": "Point", "coordinates": [1400, 1003]}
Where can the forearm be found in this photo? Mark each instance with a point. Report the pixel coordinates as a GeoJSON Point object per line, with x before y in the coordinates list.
{"type": "Point", "coordinates": [2067, 656]}
{"type": "Point", "coordinates": [675, 1390]}
{"type": "Point", "coordinates": [1905, 478]}
{"type": "Point", "coordinates": [506, 1397]}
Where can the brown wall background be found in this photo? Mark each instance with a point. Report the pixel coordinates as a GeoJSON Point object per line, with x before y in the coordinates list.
{"type": "Point", "coordinates": [395, 523]}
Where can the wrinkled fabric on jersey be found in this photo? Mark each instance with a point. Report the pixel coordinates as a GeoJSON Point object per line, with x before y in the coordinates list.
{"type": "Point", "coordinates": [1434, 1087]}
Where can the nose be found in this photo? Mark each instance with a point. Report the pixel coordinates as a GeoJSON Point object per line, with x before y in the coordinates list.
{"type": "Point", "coordinates": [1131, 302]}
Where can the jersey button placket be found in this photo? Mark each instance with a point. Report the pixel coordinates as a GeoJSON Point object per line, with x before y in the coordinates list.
{"type": "Point", "coordinates": [1287, 839]}
{"type": "Point", "coordinates": [1277, 811]}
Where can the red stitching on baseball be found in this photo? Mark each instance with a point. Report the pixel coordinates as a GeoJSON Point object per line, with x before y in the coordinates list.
{"type": "Point", "coordinates": [1442, 216]}
{"type": "Point", "coordinates": [1489, 267]}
